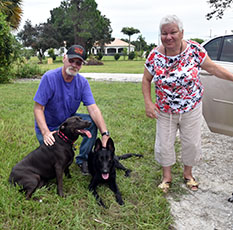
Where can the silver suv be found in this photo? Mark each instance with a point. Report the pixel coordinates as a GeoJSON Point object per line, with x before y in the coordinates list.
{"type": "Point", "coordinates": [218, 94]}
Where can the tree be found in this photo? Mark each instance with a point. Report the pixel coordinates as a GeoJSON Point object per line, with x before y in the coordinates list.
{"type": "Point", "coordinates": [129, 31]}
{"type": "Point", "coordinates": [6, 49]}
{"type": "Point", "coordinates": [219, 6]}
{"type": "Point", "coordinates": [199, 40]}
{"type": "Point", "coordinates": [79, 22]}
{"type": "Point", "coordinates": [140, 43]}
{"type": "Point", "coordinates": [13, 11]}
{"type": "Point", "coordinates": [39, 37]}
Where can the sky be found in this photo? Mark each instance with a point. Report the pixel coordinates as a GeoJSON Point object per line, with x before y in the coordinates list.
{"type": "Point", "coordinates": [144, 15]}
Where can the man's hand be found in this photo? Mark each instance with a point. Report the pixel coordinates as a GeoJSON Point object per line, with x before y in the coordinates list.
{"type": "Point", "coordinates": [104, 140]}
{"type": "Point", "coordinates": [49, 138]}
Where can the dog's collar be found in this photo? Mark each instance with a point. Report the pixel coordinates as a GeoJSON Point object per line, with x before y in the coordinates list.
{"type": "Point", "coordinates": [64, 137]}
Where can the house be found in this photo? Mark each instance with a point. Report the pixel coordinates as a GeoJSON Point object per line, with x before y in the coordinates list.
{"type": "Point", "coordinates": [116, 46]}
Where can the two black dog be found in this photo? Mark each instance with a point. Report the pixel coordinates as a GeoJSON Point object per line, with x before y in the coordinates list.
{"type": "Point", "coordinates": [49, 162]}
{"type": "Point", "coordinates": [102, 164]}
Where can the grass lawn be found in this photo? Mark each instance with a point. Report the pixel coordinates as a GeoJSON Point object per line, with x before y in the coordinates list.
{"type": "Point", "coordinates": [110, 65]}
{"type": "Point", "coordinates": [123, 109]}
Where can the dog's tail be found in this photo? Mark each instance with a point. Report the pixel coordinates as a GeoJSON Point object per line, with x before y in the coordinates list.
{"type": "Point", "coordinates": [128, 155]}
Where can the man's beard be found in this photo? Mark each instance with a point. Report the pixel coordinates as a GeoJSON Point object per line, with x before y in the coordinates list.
{"type": "Point", "coordinates": [71, 71]}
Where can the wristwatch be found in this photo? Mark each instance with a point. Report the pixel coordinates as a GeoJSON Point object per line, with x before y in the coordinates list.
{"type": "Point", "coordinates": [105, 133]}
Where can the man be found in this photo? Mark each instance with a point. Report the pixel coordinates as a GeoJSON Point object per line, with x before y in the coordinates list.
{"type": "Point", "coordinates": [59, 96]}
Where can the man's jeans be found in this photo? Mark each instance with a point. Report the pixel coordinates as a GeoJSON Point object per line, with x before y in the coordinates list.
{"type": "Point", "coordinates": [87, 143]}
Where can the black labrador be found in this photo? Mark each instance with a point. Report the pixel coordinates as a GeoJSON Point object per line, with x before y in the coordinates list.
{"type": "Point", "coordinates": [102, 164]}
{"type": "Point", "coordinates": [49, 162]}
{"type": "Point", "coordinates": [231, 199]}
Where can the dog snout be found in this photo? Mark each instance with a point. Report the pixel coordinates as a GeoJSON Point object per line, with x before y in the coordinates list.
{"type": "Point", "coordinates": [88, 123]}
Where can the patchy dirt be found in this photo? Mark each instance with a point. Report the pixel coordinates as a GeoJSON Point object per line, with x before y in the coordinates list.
{"type": "Point", "coordinates": [208, 208]}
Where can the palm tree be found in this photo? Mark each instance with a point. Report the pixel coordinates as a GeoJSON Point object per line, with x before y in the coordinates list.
{"type": "Point", "coordinates": [129, 31]}
{"type": "Point", "coordinates": [13, 11]}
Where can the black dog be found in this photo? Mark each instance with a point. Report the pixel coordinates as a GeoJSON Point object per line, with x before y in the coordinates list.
{"type": "Point", "coordinates": [102, 164]}
{"type": "Point", "coordinates": [231, 199]}
{"type": "Point", "coordinates": [49, 162]}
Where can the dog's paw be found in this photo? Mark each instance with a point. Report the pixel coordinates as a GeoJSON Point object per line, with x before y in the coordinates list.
{"type": "Point", "coordinates": [127, 173]}
{"type": "Point", "coordinates": [101, 203]}
{"type": "Point", "coordinates": [120, 202]}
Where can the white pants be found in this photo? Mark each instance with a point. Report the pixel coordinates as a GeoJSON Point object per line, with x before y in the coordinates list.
{"type": "Point", "coordinates": [189, 125]}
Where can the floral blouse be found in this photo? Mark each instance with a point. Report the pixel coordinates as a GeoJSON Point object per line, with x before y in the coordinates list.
{"type": "Point", "coordinates": [177, 83]}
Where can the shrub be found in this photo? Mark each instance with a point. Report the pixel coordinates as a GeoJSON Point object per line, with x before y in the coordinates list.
{"type": "Point", "coordinates": [124, 52]}
{"type": "Point", "coordinates": [52, 54]}
{"type": "Point", "coordinates": [131, 55]}
{"type": "Point", "coordinates": [147, 53]}
{"type": "Point", "coordinates": [6, 50]}
{"type": "Point", "coordinates": [28, 71]}
{"type": "Point", "coordinates": [117, 56]}
{"type": "Point", "coordinates": [99, 55]}
{"type": "Point", "coordinates": [94, 61]}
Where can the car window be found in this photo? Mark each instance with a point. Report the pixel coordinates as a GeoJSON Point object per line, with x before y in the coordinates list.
{"type": "Point", "coordinates": [212, 48]}
{"type": "Point", "coordinates": [227, 50]}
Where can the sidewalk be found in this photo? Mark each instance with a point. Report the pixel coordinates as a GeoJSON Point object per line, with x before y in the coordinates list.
{"type": "Point", "coordinates": [124, 77]}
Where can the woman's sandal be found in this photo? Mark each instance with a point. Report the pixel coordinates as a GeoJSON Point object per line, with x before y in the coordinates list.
{"type": "Point", "coordinates": [165, 186]}
{"type": "Point", "coordinates": [191, 184]}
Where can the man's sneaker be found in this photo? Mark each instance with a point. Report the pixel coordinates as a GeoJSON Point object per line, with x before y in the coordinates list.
{"type": "Point", "coordinates": [84, 168]}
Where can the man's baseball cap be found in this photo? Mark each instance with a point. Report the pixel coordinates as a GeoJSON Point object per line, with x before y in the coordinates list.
{"type": "Point", "coordinates": [76, 51]}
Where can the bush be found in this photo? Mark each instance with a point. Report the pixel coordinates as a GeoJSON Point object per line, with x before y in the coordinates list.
{"type": "Point", "coordinates": [6, 50]}
{"type": "Point", "coordinates": [117, 56]}
{"type": "Point", "coordinates": [124, 52]}
{"type": "Point", "coordinates": [93, 61]}
{"type": "Point", "coordinates": [99, 55]}
{"type": "Point", "coordinates": [147, 53]}
{"type": "Point", "coordinates": [52, 54]}
{"type": "Point", "coordinates": [28, 71]}
{"type": "Point", "coordinates": [131, 55]}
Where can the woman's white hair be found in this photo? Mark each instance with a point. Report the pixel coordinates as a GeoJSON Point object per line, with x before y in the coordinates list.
{"type": "Point", "coordinates": [171, 19]}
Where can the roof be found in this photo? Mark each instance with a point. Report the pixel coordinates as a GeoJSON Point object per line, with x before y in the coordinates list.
{"type": "Point", "coordinates": [117, 43]}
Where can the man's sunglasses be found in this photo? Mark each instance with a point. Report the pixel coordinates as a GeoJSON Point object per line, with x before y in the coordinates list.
{"type": "Point", "coordinates": [78, 63]}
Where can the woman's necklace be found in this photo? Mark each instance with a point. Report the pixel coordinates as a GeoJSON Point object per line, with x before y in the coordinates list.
{"type": "Point", "coordinates": [181, 46]}
{"type": "Point", "coordinates": [174, 65]}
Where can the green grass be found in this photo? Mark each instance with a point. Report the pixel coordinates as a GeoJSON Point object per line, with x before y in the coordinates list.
{"type": "Point", "coordinates": [110, 65]}
{"type": "Point", "coordinates": [145, 206]}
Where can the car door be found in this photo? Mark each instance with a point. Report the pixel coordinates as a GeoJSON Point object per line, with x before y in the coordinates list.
{"type": "Point", "coordinates": [218, 93]}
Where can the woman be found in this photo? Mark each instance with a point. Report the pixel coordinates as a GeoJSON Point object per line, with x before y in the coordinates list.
{"type": "Point", "coordinates": [174, 66]}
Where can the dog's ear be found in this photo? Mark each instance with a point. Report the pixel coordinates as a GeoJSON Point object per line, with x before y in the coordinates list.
{"type": "Point", "coordinates": [62, 127]}
{"type": "Point", "coordinates": [110, 145]}
{"type": "Point", "coordinates": [98, 145]}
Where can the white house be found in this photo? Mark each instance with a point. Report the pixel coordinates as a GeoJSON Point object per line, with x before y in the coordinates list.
{"type": "Point", "coordinates": [112, 48]}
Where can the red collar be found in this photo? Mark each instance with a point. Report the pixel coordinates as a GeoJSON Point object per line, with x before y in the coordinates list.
{"type": "Point", "coordinates": [64, 137]}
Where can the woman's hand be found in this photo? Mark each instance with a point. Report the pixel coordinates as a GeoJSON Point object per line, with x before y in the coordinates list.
{"type": "Point", "coordinates": [151, 110]}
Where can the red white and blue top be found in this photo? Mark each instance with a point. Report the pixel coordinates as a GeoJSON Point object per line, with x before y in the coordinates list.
{"type": "Point", "coordinates": [177, 82]}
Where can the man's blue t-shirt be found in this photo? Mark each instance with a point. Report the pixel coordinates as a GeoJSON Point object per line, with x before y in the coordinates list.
{"type": "Point", "coordinates": [61, 99]}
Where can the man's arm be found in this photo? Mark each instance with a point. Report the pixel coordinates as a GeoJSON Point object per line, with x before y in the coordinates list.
{"type": "Point", "coordinates": [40, 119]}
{"type": "Point", "coordinates": [97, 117]}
